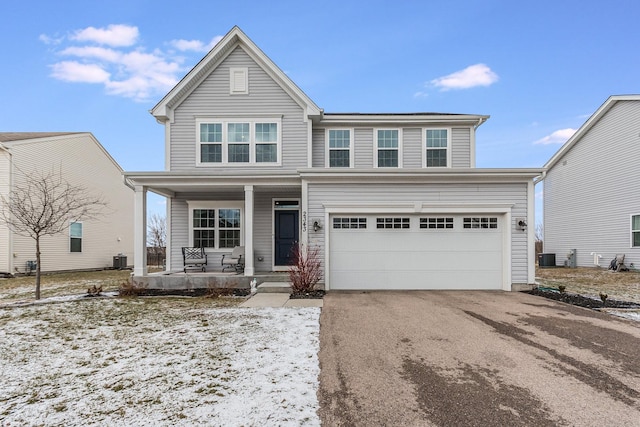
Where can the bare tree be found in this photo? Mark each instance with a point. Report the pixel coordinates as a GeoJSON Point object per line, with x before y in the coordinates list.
{"type": "Point", "coordinates": [157, 235]}
{"type": "Point", "coordinates": [44, 204]}
{"type": "Point", "coordinates": [539, 238]}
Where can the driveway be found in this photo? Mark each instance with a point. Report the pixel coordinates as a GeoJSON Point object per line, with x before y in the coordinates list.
{"type": "Point", "coordinates": [457, 358]}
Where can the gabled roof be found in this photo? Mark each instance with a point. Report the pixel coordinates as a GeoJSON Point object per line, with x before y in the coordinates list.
{"type": "Point", "coordinates": [19, 136]}
{"type": "Point", "coordinates": [595, 117]}
{"type": "Point", "coordinates": [164, 109]}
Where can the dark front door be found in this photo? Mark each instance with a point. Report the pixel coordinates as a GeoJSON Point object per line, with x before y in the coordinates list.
{"type": "Point", "coordinates": [287, 235]}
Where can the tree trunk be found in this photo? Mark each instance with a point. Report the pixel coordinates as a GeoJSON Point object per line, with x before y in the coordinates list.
{"type": "Point", "coordinates": [38, 267]}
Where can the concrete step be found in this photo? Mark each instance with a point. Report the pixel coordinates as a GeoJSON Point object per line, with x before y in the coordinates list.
{"type": "Point", "coordinates": [275, 287]}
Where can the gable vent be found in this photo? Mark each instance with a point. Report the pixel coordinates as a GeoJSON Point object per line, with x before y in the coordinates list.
{"type": "Point", "coordinates": [238, 81]}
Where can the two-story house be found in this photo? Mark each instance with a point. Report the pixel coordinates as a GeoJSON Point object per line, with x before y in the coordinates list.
{"type": "Point", "coordinates": [393, 201]}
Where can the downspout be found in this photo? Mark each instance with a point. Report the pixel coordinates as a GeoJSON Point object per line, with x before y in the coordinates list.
{"type": "Point", "coordinates": [540, 178]}
{"type": "Point", "coordinates": [10, 233]}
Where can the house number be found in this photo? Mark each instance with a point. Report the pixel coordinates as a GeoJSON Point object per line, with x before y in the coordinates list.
{"type": "Point", "coordinates": [304, 221]}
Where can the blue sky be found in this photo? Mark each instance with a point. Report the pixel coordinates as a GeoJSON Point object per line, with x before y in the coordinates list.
{"type": "Point", "coordinates": [539, 69]}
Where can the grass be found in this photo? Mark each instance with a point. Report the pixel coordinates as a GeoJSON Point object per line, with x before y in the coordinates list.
{"type": "Point", "coordinates": [592, 281]}
{"type": "Point", "coordinates": [59, 284]}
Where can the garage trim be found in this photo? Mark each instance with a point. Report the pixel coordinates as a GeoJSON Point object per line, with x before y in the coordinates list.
{"type": "Point", "coordinates": [422, 208]}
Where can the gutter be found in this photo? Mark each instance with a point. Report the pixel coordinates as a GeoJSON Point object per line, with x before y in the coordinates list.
{"type": "Point", "coordinates": [540, 178]}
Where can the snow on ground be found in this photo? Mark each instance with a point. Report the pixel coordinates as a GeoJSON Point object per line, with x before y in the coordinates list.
{"type": "Point", "coordinates": [158, 361]}
{"type": "Point", "coordinates": [627, 314]}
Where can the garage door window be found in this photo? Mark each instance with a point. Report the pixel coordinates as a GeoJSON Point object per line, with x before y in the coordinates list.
{"type": "Point", "coordinates": [339, 223]}
{"type": "Point", "coordinates": [392, 223]}
{"type": "Point", "coordinates": [480, 222]}
{"type": "Point", "coordinates": [435, 223]}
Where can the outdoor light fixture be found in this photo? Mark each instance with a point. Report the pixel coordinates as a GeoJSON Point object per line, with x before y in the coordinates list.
{"type": "Point", "coordinates": [316, 225]}
{"type": "Point", "coordinates": [522, 223]}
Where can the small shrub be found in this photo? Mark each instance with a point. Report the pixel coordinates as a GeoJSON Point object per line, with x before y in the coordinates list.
{"type": "Point", "coordinates": [603, 297]}
{"type": "Point", "coordinates": [562, 289]}
{"type": "Point", "coordinates": [130, 289]}
{"type": "Point", "coordinates": [305, 272]}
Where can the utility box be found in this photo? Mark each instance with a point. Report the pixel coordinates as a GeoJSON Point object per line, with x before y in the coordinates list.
{"type": "Point", "coordinates": [571, 261]}
{"type": "Point", "coordinates": [546, 260]}
{"type": "Point", "coordinates": [119, 262]}
{"type": "Point", "coordinates": [31, 266]}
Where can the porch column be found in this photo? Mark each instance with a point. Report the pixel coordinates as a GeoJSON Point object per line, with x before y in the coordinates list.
{"type": "Point", "coordinates": [140, 232]}
{"type": "Point", "coordinates": [248, 230]}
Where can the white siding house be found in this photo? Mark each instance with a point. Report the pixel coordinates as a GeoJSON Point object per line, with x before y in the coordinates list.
{"type": "Point", "coordinates": [591, 188]}
{"type": "Point", "coordinates": [81, 160]}
{"type": "Point", "coordinates": [392, 201]}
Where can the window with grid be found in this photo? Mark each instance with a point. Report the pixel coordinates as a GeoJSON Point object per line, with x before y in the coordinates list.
{"type": "Point", "coordinates": [480, 222]}
{"type": "Point", "coordinates": [229, 228]}
{"type": "Point", "coordinates": [635, 231]}
{"type": "Point", "coordinates": [387, 148]}
{"type": "Point", "coordinates": [339, 223]}
{"type": "Point", "coordinates": [339, 148]}
{"type": "Point", "coordinates": [435, 223]}
{"type": "Point", "coordinates": [239, 142]}
{"type": "Point", "coordinates": [437, 144]}
{"type": "Point", "coordinates": [204, 228]}
{"type": "Point", "coordinates": [393, 223]}
{"type": "Point", "coordinates": [75, 237]}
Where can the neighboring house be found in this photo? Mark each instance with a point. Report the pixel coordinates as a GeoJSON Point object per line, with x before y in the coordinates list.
{"type": "Point", "coordinates": [592, 189]}
{"type": "Point", "coordinates": [81, 160]}
{"type": "Point", "coordinates": [393, 201]}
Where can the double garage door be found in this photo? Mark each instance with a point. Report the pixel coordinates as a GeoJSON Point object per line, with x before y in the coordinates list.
{"type": "Point", "coordinates": [416, 251]}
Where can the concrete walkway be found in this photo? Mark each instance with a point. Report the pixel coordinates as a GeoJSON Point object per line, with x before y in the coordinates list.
{"type": "Point", "coordinates": [278, 299]}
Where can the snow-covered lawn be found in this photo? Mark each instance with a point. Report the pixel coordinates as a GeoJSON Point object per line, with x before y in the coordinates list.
{"type": "Point", "coordinates": [158, 361]}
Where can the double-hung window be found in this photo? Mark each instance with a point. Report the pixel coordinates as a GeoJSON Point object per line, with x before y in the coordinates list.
{"type": "Point", "coordinates": [436, 150]}
{"type": "Point", "coordinates": [635, 231]}
{"type": "Point", "coordinates": [75, 237]}
{"type": "Point", "coordinates": [339, 146]}
{"type": "Point", "coordinates": [238, 142]}
{"type": "Point", "coordinates": [215, 225]}
{"type": "Point", "coordinates": [387, 148]}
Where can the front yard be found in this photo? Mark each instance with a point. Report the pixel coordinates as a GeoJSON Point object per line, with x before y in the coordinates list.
{"type": "Point", "coordinates": [153, 361]}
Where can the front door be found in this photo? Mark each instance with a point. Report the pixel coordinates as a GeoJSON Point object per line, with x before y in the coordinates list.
{"type": "Point", "coordinates": [287, 235]}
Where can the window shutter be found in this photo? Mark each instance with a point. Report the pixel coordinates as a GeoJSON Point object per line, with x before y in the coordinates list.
{"type": "Point", "coordinates": [238, 81]}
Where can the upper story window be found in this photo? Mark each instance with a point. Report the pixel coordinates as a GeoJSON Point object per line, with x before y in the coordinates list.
{"type": "Point", "coordinates": [635, 231]}
{"type": "Point", "coordinates": [387, 148]}
{"type": "Point", "coordinates": [437, 148]}
{"type": "Point", "coordinates": [237, 142]}
{"type": "Point", "coordinates": [339, 147]}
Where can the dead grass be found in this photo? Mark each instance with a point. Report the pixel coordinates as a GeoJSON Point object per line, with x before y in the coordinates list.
{"type": "Point", "coordinates": [59, 284]}
{"type": "Point", "coordinates": [592, 281]}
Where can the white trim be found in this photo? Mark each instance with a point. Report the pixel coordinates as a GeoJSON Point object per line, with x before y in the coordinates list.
{"type": "Point", "coordinates": [376, 148]}
{"type": "Point", "coordinates": [169, 246]}
{"type": "Point", "coordinates": [167, 146]}
{"type": "Point", "coordinates": [209, 204]}
{"type": "Point", "coordinates": [249, 208]}
{"type": "Point", "coordinates": [351, 148]}
{"type": "Point", "coordinates": [275, 267]}
{"type": "Point", "coordinates": [472, 148]}
{"type": "Point", "coordinates": [224, 123]}
{"type": "Point", "coordinates": [423, 145]}
{"type": "Point", "coordinates": [531, 236]}
{"type": "Point", "coordinates": [238, 77]}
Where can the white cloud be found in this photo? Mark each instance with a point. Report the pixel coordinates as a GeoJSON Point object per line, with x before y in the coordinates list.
{"type": "Point", "coordinates": [194, 45]}
{"type": "Point", "coordinates": [50, 40]}
{"type": "Point", "coordinates": [420, 94]}
{"type": "Point", "coordinates": [72, 71]}
{"type": "Point", "coordinates": [472, 76]}
{"type": "Point", "coordinates": [540, 194]}
{"type": "Point", "coordinates": [113, 35]}
{"type": "Point", "coordinates": [558, 137]}
{"type": "Point", "coordinates": [113, 57]}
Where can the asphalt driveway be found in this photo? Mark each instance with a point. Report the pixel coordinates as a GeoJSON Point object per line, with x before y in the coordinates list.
{"type": "Point", "coordinates": [474, 359]}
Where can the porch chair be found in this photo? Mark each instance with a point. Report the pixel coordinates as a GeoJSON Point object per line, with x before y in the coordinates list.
{"type": "Point", "coordinates": [234, 260]}
{"type": "Point", "coordinates": [194, 258]}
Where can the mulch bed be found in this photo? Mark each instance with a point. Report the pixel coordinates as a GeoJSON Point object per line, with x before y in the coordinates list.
{"type": "Point", "coordinates": [317, 294]}
{"type": "Point", "coordinates": [583, 301]}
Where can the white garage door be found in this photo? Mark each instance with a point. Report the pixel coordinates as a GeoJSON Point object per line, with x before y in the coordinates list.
{"type": "Point", "coordinates": [416, 251]}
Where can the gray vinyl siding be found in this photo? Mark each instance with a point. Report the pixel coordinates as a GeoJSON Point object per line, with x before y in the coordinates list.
{"type": "Point", "coordinates": [363, 145]}
{"type": "Point", "coordinates": [515, 193]}
{"type": "Point", "coordinates": [262, 225]}
{"type": "Point", "coordinates": [318, 150]}
{"type": "Point", "coordinates": [212, 99]}
{"type": "Point", "coordinates": [592, 191]}
{"type": "Point", "coordinates": [412, 148]}
{"type": "Point", "coordinates": [461, 146]}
